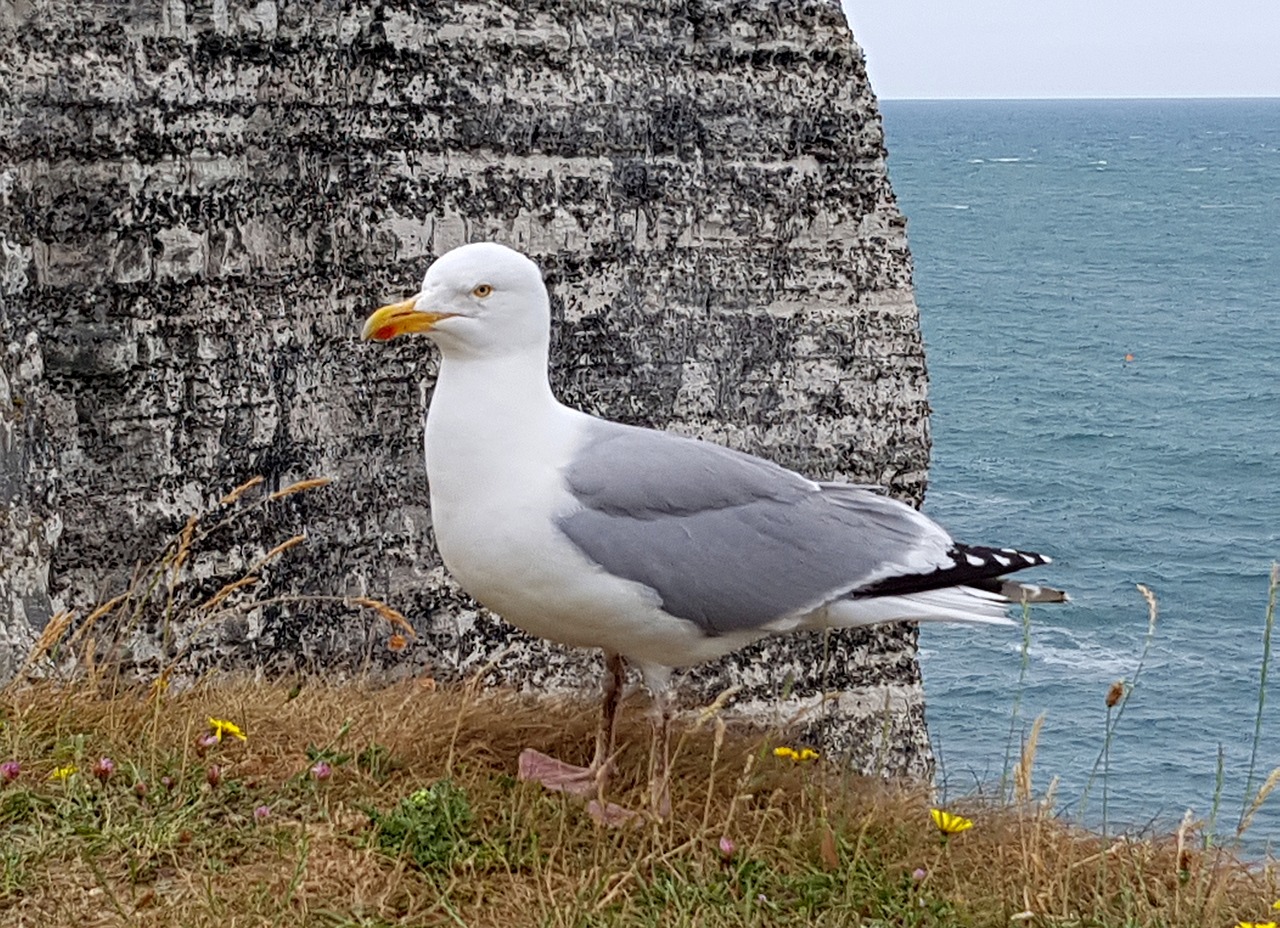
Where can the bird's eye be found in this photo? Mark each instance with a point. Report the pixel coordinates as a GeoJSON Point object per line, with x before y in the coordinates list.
{"type": "Point", "coordinates": [482, 291]}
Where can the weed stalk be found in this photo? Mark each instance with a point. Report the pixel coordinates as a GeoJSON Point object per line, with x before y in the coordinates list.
{"type": "Point", "coordinates": [1005, 785]}
{"type": "Point", "coordinates": [1268, 625]}
{"type": "Point", "coordinates": [1113, 720]}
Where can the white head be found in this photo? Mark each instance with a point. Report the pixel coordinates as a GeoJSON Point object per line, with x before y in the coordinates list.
{"type": "Point", "coordinates": [481, 300]}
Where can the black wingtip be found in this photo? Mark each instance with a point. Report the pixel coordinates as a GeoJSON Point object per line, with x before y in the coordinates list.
{"type": "Point", "coordinates": [971, 565]}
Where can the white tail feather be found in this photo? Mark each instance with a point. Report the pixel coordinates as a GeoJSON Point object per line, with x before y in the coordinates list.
{"type": "Point", "coordinates": [949, 604]}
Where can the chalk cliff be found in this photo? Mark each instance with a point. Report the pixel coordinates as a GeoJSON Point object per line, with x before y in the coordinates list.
{"type": "Point", "coordinates": [200, 202]}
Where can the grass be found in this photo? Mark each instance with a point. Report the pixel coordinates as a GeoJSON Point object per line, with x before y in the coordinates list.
{"type": "Point", "coordinates": [364, 806]}
{"type": "Point", "coordinates": [361, 806]}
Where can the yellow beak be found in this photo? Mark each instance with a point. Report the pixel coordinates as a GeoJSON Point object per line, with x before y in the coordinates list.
{"type": "Point", "coordinates": [399, 319]}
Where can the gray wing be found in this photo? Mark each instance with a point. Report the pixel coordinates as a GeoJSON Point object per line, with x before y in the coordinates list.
{"type": "Point", "coordinates": [730, 541]}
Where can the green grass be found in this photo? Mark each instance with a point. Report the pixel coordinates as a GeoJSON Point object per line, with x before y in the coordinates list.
{"type": "Point", "coordinates": [420, 821]}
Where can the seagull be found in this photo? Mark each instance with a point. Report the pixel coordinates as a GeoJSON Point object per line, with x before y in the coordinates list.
{"type": "Point", "coordinates": [661, 551]}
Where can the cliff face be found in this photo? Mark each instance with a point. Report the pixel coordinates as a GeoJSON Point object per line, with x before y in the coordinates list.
{"type": "Point", "coordinates": [200, 202]}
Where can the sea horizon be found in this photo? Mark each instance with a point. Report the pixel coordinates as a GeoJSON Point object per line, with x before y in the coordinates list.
{"type": "Point", "coordinates": [1103, 99]}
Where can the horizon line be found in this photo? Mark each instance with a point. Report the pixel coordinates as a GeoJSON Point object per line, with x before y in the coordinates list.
{"type": "Point", "coordinates": [1118, 97]}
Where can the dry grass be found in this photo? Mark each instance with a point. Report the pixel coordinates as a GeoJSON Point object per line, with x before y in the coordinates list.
{"type": "Point", "coordinates": [811, 846]}
{"type": "Point", "coordinates": [294, 825]}
{"type": "Point", "coordinates": [181, 598]}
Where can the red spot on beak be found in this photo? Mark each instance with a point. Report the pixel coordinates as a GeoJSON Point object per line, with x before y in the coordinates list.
{"type": "Point", "coordinates": [384, 333]}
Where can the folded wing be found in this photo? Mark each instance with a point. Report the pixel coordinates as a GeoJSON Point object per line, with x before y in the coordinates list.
{"type": "Point", "coordinates": [733, 542]}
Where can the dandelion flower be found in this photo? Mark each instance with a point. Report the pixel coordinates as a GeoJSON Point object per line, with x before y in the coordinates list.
{"type": "Point", "coordinates": [949, 823]}
{"type": "Point", "coordinates": [785, 752]}
{"type": "Point", "coordinates": [223, 727]}
{"type": "Point", "coordinates": [1255, 924]}
{"type": "Point", "coordinates": [795, 756]}
{"type": "Point", "coordinates": [63, 773]}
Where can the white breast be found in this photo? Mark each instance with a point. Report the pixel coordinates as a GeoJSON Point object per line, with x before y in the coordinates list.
{"type": "Point", "coordinates": [497, 488]}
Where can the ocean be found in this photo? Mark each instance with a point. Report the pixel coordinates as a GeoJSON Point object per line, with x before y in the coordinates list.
{"type": "Point", "coordinates": [1099, 289]}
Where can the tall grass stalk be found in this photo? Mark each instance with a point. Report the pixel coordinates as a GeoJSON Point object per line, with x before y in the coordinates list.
{"type": "Point", "coordinates": [1113, 720]}
{"type": "Point", "coordinates": [1106, 769]}
{"type": "Point", "coordinates": [1219, 779]}
{"type": "Point", "coordinates": [1268, 625]}
{"type": "Point", "coordinates": [1006, 786]}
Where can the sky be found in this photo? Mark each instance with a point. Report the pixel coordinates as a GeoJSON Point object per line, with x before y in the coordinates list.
{"type": "Point", "coordinates": [1069, 48]}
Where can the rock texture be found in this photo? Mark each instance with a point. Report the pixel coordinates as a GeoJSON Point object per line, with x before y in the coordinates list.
{"type": "Point", "coordinates": [200, 201]}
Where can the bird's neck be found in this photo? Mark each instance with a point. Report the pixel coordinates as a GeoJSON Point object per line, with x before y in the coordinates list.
{"type": "Point", "coordinates": [487, 410]}
{"type": "Point", "coordinates": [507, 385]}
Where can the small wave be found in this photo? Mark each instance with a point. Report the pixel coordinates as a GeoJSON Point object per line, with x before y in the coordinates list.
{"type": "Point", "coordinates": [1195, 170]}
{"type": "Point", "coordinates": [1059, 647]}
{"type": "Point", "coordinates": [950, 206]}
{"type": "Point", "coordinates": [1228, 205]}
{"type": "Point", "coordinates": [1100, 667]}
{"type": "Point", "coordinates": [977, 161]}
{"type": "Point", "coordinates": [1099, 161]}
{"type": "Point", "coordinates": [1006, 160]}
{"type": "Point", "coordinates": [971, 500]}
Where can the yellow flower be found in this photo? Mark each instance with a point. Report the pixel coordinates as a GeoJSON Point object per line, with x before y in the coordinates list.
{"type": "Point", "coordinates": [1256, 924]}
{"type": "Point", "coordinates": [949, 823]}
{"type": "Point", "coordinates": [785, 752]}
{"type": "Point", "coordinates": [223, 727]}
{"type": "Point", "coordinates": [1276, 905]}
{"type": "Point", "coordinates": [63, 772]}
{"type": "Point", "coordinates": [793, 755]}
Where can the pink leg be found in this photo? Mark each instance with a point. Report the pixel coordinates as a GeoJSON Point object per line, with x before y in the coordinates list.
{"type": "Point", "coordinates": [534, 766]}
{"type": "Point", "coordinates": [660, 756]}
